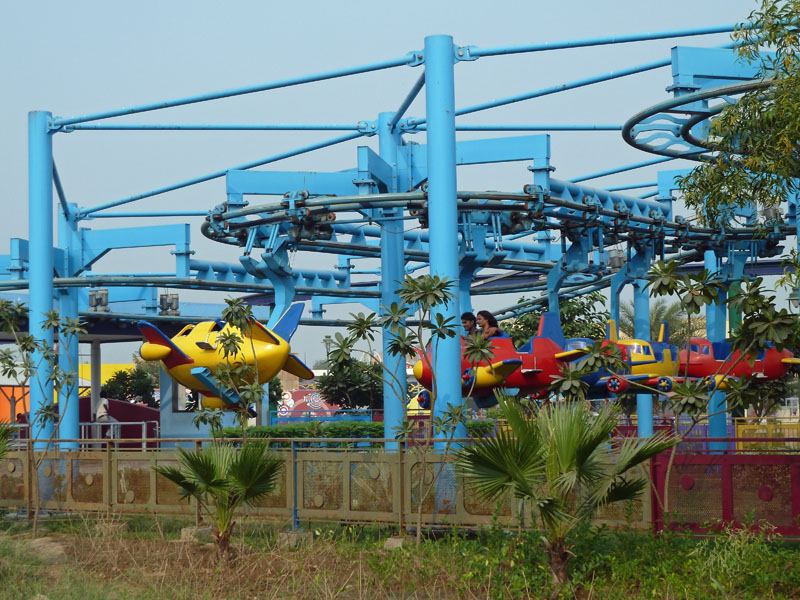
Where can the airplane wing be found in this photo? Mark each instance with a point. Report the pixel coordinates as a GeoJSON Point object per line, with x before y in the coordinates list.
{"type": "Point", "coordinates": [791, 361]}
{"type": "Point", "coordinates": [503, 368]}
{"type": "Point", "coordinates": [570, 355]}
{"type": "Point", "coordinates": [295, 366]}
{"type": "Point", "coordinates": [153, 335]}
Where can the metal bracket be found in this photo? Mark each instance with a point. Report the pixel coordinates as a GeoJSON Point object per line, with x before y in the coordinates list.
{"type": "Point", "coordinates": [368, 128]}
{"type": "Point", "coordinates": [415, 58]}
{"type": "Point", "coordinates": [464, 53]}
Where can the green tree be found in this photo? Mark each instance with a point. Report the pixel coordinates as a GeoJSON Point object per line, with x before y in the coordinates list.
{"type": "Point", "coordinates": [580, 317]}
{"type": "Point", "coordinates": [558, 462]}
{"type": "Point", "coordinates": [275, 392]}
{"type": "Point", "coordinates": [223, 478]}
{"type": "Point", "coordinates": [18, 362]}
{"type": "Point", "coordinates": [660, 311]}
{"type": "Point", "coordinates": [353, 384]}
{"type": "Point", "coordinates": [755, 143]}
{"type": "Point", "coordinates": [130, 385]}
{"type": "Point", "coordinates": [421, 297]}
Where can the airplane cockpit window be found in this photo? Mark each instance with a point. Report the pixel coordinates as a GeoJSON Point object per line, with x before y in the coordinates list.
{"type": "Point", "coordinates": [186, 330]}
{"type": "Point", "coordinates": [694, 348]}
{"type": "Point", "coordinates": [577, 344]}
{"type": "Point", "coordinates": [706, 350]}
{"type": "Point", "coordinates": [640, 349]}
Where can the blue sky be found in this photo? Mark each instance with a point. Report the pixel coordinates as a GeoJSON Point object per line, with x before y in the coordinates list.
{"type": "Point", "coordinates": [83, 57]}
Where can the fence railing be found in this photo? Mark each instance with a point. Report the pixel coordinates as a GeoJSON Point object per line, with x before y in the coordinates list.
{"type": "Point", "coordinates": [699, 490]}
{"type": "Point", "coordinates": [318, 483]}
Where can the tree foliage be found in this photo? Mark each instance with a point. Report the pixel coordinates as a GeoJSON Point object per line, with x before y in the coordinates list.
{"type": "Point", "coordinates": [680, 329]}
{"type": "Point", "coordinates": [131, 385]}
{"type": "Point", "coordinates": [561, 465]}
{"type": "Point", "coordinates": [580, 317]}
{"type": "Point", "coordinates": [756, 142]}
{"type": "Point", "coordinates": [353, 384]}
{"type": "Point", "coordinates": [223, 478]}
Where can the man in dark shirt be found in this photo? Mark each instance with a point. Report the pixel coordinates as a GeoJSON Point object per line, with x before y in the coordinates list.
{"type": "Point", "coordinates": [468, 323]}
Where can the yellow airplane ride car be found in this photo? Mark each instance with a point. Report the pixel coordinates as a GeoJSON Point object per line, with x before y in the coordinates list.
{"type": "Point", "coordinates": [652, 363]}
{"type": "Point", "coordinates": [193, 355]}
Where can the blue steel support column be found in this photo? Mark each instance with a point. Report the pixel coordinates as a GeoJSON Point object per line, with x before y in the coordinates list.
{"type": "Point", "coordinates": [442, 209]}
{"type": "Point", "coordinates": [618, 282]}
{"type": "Point", "coordinates": [716, 327]}
{"type": "Point", "coordinates": [641, 327]}
{"type": "Point", "coordinates": [40, 228]}
{"type": "Point", "coordinates": [69, 427]}
{"type": "Point", "coordinates": [392, 270]}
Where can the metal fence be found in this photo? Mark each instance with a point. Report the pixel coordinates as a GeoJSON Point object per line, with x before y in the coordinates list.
{"type": "Point", "coordinates": [317, 484]}
{"type": "Point", "coordinates": [374, 485]}
{"type": "Point", "coordinates": [707, 488]}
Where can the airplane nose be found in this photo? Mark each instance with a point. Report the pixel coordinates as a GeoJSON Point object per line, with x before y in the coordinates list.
{"type": "Point", "coordinates": [150, 351]}
{"type": "Point", "coordinates": [418, 368]}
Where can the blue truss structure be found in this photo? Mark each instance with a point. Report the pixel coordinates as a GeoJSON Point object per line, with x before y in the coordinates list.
{"type": "Point", "coordinates": [401, 205]}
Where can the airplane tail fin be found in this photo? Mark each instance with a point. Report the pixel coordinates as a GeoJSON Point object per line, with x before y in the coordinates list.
{"type": "Point", "coordinates": [663, 332]}
{"type": "Point", "coordinates": [287, 324]}
{"type": "Point", "coordinates": [611, 330]}
{"type": "Point", "coordinates": [550, 327]}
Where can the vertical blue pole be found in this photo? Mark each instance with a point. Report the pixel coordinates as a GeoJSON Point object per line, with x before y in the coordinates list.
{"type": "Point", "coordinates": [618, 281]}
{"type": "Point", "coordinates": [40, 257]}
{"type": "Point", "coordinates": [641, 327]}
{"type": "Point", "coordinates": [392, 270]}
{"type": "Point", "coordinates": [68, 409]}
{"type": "Point", "coordinates": [716, 326]}
{"type": "Point", "coordinates": [442, 209]}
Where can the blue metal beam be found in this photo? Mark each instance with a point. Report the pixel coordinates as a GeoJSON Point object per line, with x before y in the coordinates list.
{"type": "Point", "coordinates": [217, 174]}
{"type": "Point", "coordinates": [599, 41]}
{"type": "Point", "coordinates": [40, 226]}
{"type": "Point", "coordinates": [441, 159]}
{"type": "Point", "coordinates": [273, 85]}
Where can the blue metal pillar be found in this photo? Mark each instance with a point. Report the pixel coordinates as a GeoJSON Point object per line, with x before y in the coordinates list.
{"type": "Point", "coordinates": [716, 328]}
{"type": "Point", "coordinates": [442, 209]}
{"type": "Point", "coordinates": [641, 327]}
{"type": "Point", "coordinates": [69, 427]}
{"type": "Point", "coordinates": [392, 271]}
{"type": "Point", "coordinates": [618, 282]}
{"type": "Point", "coordinates": [40, 233]}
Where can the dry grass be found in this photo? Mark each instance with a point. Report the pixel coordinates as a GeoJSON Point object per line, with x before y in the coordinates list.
{"type": "Point", "coordinates": [322, 569]}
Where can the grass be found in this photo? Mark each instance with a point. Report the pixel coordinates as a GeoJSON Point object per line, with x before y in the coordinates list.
{"type": "Point", "coordinates": [348, 562]}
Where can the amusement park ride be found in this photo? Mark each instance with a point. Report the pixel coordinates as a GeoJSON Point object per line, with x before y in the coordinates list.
{"type": "Point", "coordinates": [194, 354]}
{"type": "Point", "coordinates": [546, 236]}
{"type": "Point", "coordinates": [656, 364]}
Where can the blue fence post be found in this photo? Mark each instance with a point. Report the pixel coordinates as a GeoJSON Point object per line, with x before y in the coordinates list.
{"type": "Point", "coordinates": [641, 326]}
{"type": "Point", "coordinates": [392, 270]}
{"type": "Point", "coordinates": [40, 257]}
{"type": "Point", "coordinates": [443, 211]}
{"type": "Point", "coordinates": [295, 519]}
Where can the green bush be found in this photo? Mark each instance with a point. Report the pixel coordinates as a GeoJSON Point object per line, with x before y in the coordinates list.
{"type": "Point", "coordinates": [312, 429]}
{"type": "Point", "coordinates": [336, 429]}
{"type": "Point", "coordinates": [477, 429]}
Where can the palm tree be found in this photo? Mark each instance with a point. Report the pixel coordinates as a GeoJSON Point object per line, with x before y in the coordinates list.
{"type": "Point", "coordinates": [677, 322]}
{"type": "Point", "coordinates": [560, 462]}
{"type": "Point", "coordinates": [223, 478]}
